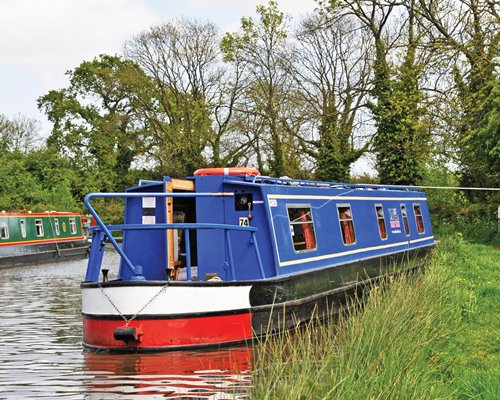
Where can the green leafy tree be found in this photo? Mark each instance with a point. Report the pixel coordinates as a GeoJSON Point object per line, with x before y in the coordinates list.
{"type": "Point", "coordinates": [400, 142]}
{"type": "Point", "coordinates": [18, 188]}
{"type": "Point", "coordinates": [20, 133]}
{"type": "Point", "coordinates": [261, 48]}
{"type": "Point", "coordinates": [182, 60]}
{"type": "Point", "coordinates": [466, 35]}
{"type": "Point", "coordinates": [333, 75]}
{"type": "Point", "coordinates": [60, 183]}
{"type": "Point", "coordinates": [94, 120]}
{"type": "Point", "coordinates": [39, 180]}
{"type": "Point", "coordinates": [483, 143]}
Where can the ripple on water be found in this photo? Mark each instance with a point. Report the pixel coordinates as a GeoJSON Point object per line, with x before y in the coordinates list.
{"type": "Point", "coordinates": [41, 354]}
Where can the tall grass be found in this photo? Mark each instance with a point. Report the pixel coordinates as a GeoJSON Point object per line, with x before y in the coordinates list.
{"type": "Point", "coordinates": [399, 345]}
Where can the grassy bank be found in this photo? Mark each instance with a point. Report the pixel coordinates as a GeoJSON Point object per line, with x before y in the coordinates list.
{"type": "Point", "coordinates": [434, 336]}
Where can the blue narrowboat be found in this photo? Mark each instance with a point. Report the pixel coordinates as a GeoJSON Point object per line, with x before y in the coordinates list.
{"type": "Point", "coordinates": [228, 255]}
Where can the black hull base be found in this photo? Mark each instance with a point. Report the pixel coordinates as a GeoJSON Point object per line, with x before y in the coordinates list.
{"type": "Point", "coordinates": [278, 304]}
{"type": "Point", "coordinates": [270, 320]}
{"type": "Point", "coordinates": [325, 293]}
{"type": "Point", "coordinates": [44, 253]}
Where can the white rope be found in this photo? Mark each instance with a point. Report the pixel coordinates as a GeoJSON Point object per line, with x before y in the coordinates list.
{"type": "Point", "coordinates": [430, 187]}
{"type": "Point", "coordinates": [457, 188]}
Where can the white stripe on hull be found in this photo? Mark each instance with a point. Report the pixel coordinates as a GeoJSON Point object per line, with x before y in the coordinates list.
{"type": "Point", "coordinates": [164, 300]}
{"type": "Point", "coordinates": [356, 251]}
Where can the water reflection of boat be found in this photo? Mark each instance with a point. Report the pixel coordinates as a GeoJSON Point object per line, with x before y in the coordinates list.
{"type": "Point", "coordinates": [219, 374]}
{"type": "Point", "coordinates": [223, 258]}
{"type": "Point", "coordinates": [27, 238]}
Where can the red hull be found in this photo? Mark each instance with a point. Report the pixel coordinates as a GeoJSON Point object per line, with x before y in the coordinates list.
{"type": "Point", "coordinates": [166, 334]}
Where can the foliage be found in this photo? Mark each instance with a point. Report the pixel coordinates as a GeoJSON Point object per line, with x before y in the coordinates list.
{"type": "Point", "coordinates": [414, 338]}
{"type": "Point", "coordinates": [466, 36]}
{"type": "Point", "coordinates": [481, 147]}
{"type": "Point", "coordinates": [94, 121]}
{"type": "Point", "coordinates": [332, 72]}
{"type": "Point", "coordinates": [476, 222]}
{"type": "Point", "coordinates": [37, 181]}
{"type": "Point", "coordinates": [181, 60]}
{"type": "Point", "coordinates": [415, 82]}
{"type": "Point", "coordinates": [400, 140]}
{"type": "Point", "coordinates": [452, 211]}
{"type": "Point", "coordinates": [19, 133]}
{"type": "Point", "coordinates": [261, 46]}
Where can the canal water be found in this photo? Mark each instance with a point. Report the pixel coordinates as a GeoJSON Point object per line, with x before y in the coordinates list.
{"type": "Point", "coordinates": [41, 356]}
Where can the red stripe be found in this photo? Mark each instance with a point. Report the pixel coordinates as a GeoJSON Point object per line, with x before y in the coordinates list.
{"type": "Point", "coordinates": [28, 215]}
{"type": "Point", "coordinates": [166, 333]}
{"type": "Point", "coordinates": [42, 241]}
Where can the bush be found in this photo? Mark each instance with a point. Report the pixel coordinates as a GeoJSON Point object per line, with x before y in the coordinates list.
{"type": "Point", "coordinates": [476, 222]}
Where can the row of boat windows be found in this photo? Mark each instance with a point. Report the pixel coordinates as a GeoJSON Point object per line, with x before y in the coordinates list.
{"type": "Point", "coordinates": [39, 230]}
{"type": "Point", "coordinates": [304, 237]}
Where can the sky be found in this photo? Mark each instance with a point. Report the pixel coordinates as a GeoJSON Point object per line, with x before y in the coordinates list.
{"type": "Point", "coordinates": [42, 39]}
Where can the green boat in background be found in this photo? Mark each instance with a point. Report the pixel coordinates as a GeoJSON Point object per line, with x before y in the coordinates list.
{"type": "Point", "coordinates": [29, 238]}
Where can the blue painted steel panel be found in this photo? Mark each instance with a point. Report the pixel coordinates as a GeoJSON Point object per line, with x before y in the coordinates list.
{"type": "Point", "coordinates": [243, 246]}
{"type": "Point", "coordinates": [144, 247]}
{"type": "Point", "coordinates": [95, 257]}
{"type": "Point", "coordinates": [330, 247]}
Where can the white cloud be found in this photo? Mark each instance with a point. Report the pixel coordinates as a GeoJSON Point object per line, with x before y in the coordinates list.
{"type": "Point", "coordinates": [292, 7]}
{"type": "Point", "coordinates": [41, 39]}
{"type": "Point", "coordinates": [226, 14]}
{"type": "Point", "coordinates": [41, 33]}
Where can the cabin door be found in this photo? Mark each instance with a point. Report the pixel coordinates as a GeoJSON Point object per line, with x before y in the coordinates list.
{"type": "Point", "coordinates": [180, 210]}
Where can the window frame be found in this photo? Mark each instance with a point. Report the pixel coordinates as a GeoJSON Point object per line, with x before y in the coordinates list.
{"type": "Point", "coordinates": [404, 217]}
{"type": "Point", "coordinates": [39, 231]}
{"type": "Point", "coordinates": [379, 205]}
{"type": "Point", "coordinates": [419, 215]}
{"type": "Point", "coordinates": [72, 226]}
{"type": "Point", "coordinates": [4, 230]}
{"type": "Point", "coordinates": [351, 220]}
{"type": "Point", "coordinates": [22, 226]}
{"type": "Point", "coordinates": [291, 223]}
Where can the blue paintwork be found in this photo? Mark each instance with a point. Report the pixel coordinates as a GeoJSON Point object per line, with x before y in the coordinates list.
{"type": "Point", "coordinates": [95, 256]}
{"type": "Point", "coordinates": [265, 250]}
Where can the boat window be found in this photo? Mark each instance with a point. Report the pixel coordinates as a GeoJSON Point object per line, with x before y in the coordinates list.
{"type": "Point", "coordinates": [56, 227]}
{"type": "Point", "coordinates": [39, 227]}
{"type": "Point", "coordinates": [382, 230]}
{"type": "Point", "coordinates": [22, 224]}
{"type": "Point", "coordinates": [346, 223]}
{"type": "Point", "coordinates": [405, 219]}
{"type": "Point", "coordinates": [418, 218]}
{"type": "Point", "coordinates": [302, 227]}
{"type": "Point", "coordinates": [72, 226]}
{"type": "Point", "coordinates": [4, 230]}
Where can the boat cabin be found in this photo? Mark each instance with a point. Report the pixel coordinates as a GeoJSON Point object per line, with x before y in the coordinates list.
{"type": "Point", "coordinates": [250, 228]}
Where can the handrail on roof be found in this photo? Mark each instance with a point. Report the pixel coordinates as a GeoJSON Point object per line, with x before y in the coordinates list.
{"type": "Point", "coordinates": [143, 182]}
{"type": "Point", "coordinates": [321, 184]}
{"type": "Point", "coordinates": [105, 230]}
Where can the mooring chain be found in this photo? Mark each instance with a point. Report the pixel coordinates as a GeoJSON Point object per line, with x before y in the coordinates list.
{"type": "Point", "coordinates": [128, 320]}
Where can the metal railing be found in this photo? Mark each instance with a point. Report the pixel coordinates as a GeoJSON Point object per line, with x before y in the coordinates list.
{"type": "Point", "coordinates": [102, 232]}
{"type": "Point", "coordinates": [333, 185]}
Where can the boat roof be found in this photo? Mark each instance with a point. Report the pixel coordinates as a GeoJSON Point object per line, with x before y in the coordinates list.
{"type": "Point", "coordinates": [285, 181]}
{"type": "Point", "coordinates": [38, 214]}
{"type": "Point", "coordinates": [261, 180]}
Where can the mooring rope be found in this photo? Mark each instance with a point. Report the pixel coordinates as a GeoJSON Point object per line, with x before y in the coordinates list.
{"type": "Point", "coordinates": [456, 188]}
